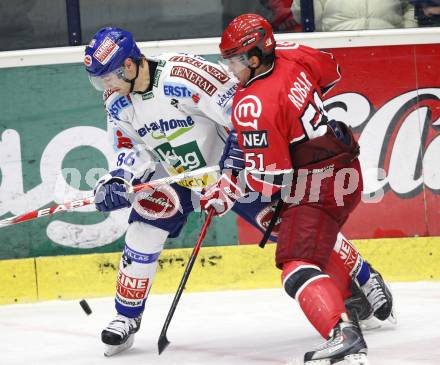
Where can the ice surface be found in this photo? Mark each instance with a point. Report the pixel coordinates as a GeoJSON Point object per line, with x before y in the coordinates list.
{"type": "Point", "coordinates": [232, 327]}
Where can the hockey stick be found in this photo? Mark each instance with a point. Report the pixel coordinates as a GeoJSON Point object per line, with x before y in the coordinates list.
{"type": "Point", "coordinates": [163, 341]}
{"type": "Point", "coordinates": [90, 200]}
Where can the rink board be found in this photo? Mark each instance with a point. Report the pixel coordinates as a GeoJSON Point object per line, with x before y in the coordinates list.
{"type": "Point", "coordinates": [53, 147]}
{"type": "Point", "coordinates": [58, 132]}
{"type": "Point", "coordinates": [217, 268]}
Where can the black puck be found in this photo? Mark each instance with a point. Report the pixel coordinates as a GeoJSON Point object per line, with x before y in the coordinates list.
{"type": "Point", "coordinates": [85, 306]}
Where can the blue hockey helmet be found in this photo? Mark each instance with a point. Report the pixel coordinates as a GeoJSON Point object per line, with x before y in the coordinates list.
{"type": "Point", "coordinates": [107, 51]}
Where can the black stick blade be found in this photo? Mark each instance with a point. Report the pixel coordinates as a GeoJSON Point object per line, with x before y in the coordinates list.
{"type": "Point", "coordinates": [163, 343]}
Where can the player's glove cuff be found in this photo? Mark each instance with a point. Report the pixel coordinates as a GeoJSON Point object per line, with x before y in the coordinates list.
{"type": "Point", "coordinates": [222, 195]}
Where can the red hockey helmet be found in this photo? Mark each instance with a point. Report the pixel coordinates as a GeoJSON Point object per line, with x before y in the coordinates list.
{"type": "Point", "coordinates": [246, 32]}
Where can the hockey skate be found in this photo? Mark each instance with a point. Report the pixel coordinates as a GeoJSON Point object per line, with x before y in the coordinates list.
{"type": "Point", "coordinates": [379, 296]}
{"type": "Point", "coordinates": [345, 343]}
{"type": "Point", "coordinates": [119, 334]}
{"type": "Point", "coordinates": [360, 309]}
{"type": "Point", "coordinates": [358, 305]}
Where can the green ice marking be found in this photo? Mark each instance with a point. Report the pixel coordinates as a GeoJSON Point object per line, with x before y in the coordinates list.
{"type": "Point", "coordinates": [173, 135]}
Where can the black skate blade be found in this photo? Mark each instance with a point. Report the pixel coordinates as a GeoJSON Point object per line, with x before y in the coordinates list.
{"type": "Point", "coordinates": [163, 343]}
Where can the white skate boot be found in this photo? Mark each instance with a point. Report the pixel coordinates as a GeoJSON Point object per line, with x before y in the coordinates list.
{"type": "Point", "coordinates": [119, 334]}
{"type": "Point", "coordinates": [379, 296]}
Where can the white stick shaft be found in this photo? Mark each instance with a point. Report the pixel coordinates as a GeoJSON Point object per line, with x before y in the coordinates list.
{"type": "Point", "coordinates": [90, 200]}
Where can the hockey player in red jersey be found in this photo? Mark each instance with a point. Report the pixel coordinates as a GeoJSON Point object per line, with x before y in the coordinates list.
{"type": "Point", "coordinates": [170, 109]}
{"type": "Point", "coordinates": [292, 148]}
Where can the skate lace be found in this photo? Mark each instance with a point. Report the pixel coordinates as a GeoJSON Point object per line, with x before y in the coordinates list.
{"type": "Point", "coordinates": [121, 324]}
{"type": "Point", "coordinates": [375, 293]}
{"type": "Point", "coordinates": [335, 339]}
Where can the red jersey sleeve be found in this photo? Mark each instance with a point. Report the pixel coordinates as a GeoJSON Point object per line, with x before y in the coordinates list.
{"type": "Point", "coordinates": [265, 147]}
{"type": "Point", "coordinates": [321, 65]}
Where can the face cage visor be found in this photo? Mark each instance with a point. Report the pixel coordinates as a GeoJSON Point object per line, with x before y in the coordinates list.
{"type": "Point", "coordinates": [110, 80]}
{"type": "Point", "coordinates": [235, 64]}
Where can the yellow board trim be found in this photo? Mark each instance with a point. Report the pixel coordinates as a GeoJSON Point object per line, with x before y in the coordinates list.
{"type": "Point", "coordinates": [403, 259]}
{"type": "Point", "coordinates": [18, 282]}
{"type": "Point", "coordinates": [216, 268]}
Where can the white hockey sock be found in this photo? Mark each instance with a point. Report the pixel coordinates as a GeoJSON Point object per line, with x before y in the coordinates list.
{"type": "Point", "coordinates": [137, 267]}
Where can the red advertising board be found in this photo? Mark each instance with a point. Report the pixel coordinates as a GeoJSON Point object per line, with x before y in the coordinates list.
{"type": "Point", "coordinates": [390, 95]}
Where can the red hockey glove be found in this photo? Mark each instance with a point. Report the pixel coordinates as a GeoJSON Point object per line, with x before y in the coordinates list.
{"type": "Point", "coordinates": [222, 195]}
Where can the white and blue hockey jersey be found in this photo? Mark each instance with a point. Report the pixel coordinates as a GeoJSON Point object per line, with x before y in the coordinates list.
{"type": "Point", "coordinates": [180, 122]}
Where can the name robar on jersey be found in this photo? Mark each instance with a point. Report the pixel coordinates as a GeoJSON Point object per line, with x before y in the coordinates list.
{"type": "Point", "coordinates": [280, 109]}
{"type": "Point", "coordinates": [180, 122]}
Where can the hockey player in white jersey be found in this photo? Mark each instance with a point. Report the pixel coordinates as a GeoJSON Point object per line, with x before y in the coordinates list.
{"type": "Point", "coordinates": [175, 110]}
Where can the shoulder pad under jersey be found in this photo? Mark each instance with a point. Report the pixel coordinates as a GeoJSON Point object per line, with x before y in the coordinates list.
{"type": "Point", "coordinates": [117, 106]}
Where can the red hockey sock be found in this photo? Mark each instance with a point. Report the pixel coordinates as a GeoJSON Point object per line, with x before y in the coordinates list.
{"type": "Point", "coordinates": [322, 303]}
{"type": "Point", "coordinates": [339, 273]}
{"type": "Point", "coordinates": [316, 293]}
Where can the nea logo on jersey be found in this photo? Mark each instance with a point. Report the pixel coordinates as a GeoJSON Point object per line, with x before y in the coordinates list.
{"type": "Point", "coordinates": [257, 139]}
{"type": "Point", "coordinates": [105, 51]}
{"type": "Point", "coordinates": [247, 111]}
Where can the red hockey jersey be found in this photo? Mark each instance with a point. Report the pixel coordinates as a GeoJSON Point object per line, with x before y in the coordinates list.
{"type": "Point", "coordinates": [281, 108]}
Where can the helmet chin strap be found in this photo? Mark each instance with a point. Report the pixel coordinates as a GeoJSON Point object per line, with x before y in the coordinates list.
{"type": "Point", "coordinates": [253, 70]}
{"type": "Point", "coordinates": [131, 82]}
